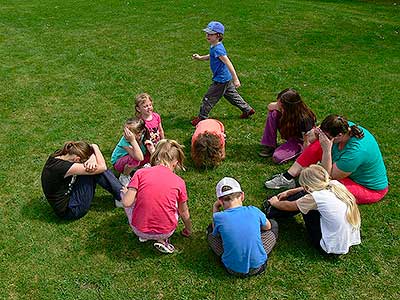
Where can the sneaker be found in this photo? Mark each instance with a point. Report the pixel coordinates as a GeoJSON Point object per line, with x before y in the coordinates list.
{"type": "Point", "coordinates": [118, 203]}
{"type": "Point", "coordinates": [266, 151]}
{"type": "Point", "coordinates": [279, 182]}
{"type": "Point", "coordinates": [248, 114]}
{"type": "Point", "coordinates": [196, 121]}
{"type": "Point", "coordinates": [164, 247]}
{"type": "Point", "coordinates": [142, 240]}
{"type": "Point", "coordinates": [124, 179]}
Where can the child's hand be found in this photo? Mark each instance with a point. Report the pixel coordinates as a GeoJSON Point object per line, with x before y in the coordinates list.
{"type": "Point", "coordinates": [186, 232]}
{"type": "Point", "coordinates": [196, 56]}
{"type": "Point", "coordinates": [273, 200]}
{"type": "Point", "coordinates": [149, 146]}
{"type": "Point", "coordinates": [326, 143]}
{"type": "Point", "coordinates": [236, 82]}
{"type": "Point", "coordinates": [310, 136]}
{"type": "Point", "coordinates": [129, 136]}
{"type": "Point", "coordinates": [124, 189]}
{"type": "Point", "coordinates": [274, 106]}
{"type": "Point", "coordinates": [217, 205]}
{"type": "Point", "coordinates": [91, 164]}
{"type": "Point", "coordinates": [282, 196]}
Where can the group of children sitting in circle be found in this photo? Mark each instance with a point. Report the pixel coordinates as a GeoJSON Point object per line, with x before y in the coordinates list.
{"type": "Point", "coordinates": [338, 165]}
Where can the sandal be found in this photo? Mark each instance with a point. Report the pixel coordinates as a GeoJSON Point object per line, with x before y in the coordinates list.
{"type": "Point", "coordinates": [164, 247]}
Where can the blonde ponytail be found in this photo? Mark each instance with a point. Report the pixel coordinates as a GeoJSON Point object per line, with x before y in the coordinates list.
{"type": "Point", "coordinates": [316, 178]}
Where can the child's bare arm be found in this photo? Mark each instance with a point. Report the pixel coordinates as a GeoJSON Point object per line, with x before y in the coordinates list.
{"type": "Point", "coordinates": [267, 226]}
{"type": "Point", "coordinates": [225, 59]}
{"type": "Point", "coordinates": [161, 131]}
{"type": "Point", "coordinates": [134, 150]}
{"type": "Point", "coordinates": [183, 210]}
{"type": "Point", "coordinates": [129, 197]}
{"type": "Point", "coordinates": [274, 106]}
{"type": "Point", "coordinates": [200, 57]}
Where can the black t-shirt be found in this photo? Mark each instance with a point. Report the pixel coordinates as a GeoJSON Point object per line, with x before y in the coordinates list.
{"type": "Point", "coordinates": [56, 188]}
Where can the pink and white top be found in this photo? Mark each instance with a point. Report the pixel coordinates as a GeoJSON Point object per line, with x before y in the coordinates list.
{"type": "Point", "coordinates": [153, 126]}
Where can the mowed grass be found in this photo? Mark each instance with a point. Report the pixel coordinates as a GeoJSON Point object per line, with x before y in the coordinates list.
{"type": "Point", "coordinates": [70, 71]}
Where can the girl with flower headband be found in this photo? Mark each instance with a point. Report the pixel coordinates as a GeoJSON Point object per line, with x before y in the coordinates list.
{"type": "Point", "coordinates": [293, 119]}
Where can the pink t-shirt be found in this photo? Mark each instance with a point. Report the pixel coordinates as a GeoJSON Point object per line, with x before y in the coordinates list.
{"type": "Point", "coordinates": [158, 192]}
{"type": "Point", "coordinates": [153, 127]}
{"type": "Point", "coordinates": [211, 126]}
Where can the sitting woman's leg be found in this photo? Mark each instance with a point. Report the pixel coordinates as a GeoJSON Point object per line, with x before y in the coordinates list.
{"type": "Point", "coordinates": [81, 197]}
{"type": "Point", "coordinates": [361, 193]}
{"type": "Point", "coordinates": [287, 151]}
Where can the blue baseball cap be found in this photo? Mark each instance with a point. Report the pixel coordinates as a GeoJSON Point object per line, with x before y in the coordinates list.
{"type": "Point", "coordinates": [214, 27]}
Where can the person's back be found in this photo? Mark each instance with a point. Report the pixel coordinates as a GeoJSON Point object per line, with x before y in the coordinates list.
{"type": "Point", "coordinates": [337, 233]}
{"type": "Point", "coordinates": [363, 158]}
{"type": "Point", "coordinates": [158, 192]}
{"type": "Point", "coordinates": [241, 235]}
{"type": "Point", "coordinates": [240, 231]}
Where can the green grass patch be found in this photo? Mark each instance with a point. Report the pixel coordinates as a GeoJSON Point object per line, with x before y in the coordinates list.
{"type": "Point", "coordinates": [70, 70]}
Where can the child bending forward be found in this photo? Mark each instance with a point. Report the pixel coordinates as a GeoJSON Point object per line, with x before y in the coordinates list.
{"type": "Point", "coordinates": [241, 235]}
{"type": "Point", "coordinates": [156, 196]}
{"type": "Point", "coordinates": [208, 143]}
{"type": "Point", "coordinates": [132, 150]}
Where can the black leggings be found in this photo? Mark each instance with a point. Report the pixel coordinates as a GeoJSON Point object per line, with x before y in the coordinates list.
{"type": "Point", "coordinates": [311, 219]}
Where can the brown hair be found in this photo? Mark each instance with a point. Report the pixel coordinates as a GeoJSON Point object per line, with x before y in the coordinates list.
{"type": "Point", "coordinates": [166, 152]}
{"type": "Point", "coordinates": [295, 114]}
{"type": "Point", "coordinates": [140, 99]}
{"type": "Point", "coordinates": [136, 125]}
{"type": "Point", "coordinates": [207, 150]}
{"type": "Point", "coordinates": [230, 197]}
{"type": "Point", "coordinates": [335, 124]}
{"type": "Point", "coordinates": [80, 148]}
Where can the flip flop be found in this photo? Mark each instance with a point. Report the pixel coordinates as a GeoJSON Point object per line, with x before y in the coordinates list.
{"type": "Point", "coordinates": [164, 247]}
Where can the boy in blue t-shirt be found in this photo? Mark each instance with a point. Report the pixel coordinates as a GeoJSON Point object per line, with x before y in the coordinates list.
{"type": "Point", "coordinates": [225, 80]}
{"type": "Point", "coordinates": [241, 235]}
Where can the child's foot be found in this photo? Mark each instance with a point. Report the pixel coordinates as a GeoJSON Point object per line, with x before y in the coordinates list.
{"type": "Point", "coordinates": [142, 240]}
{"type": "Point", "coordinates": [248, 114]}
{"type": "Point", "coordinates": [124, 179]}
{"type": "Point", "coordinates": [164, 247]}
{"type": "Point", "coordinates": [196, 121]}
{"type": "Point", "coordinates": [266, 151]}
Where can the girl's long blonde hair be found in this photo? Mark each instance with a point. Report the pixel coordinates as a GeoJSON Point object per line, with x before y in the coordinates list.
{"type": "Point", "coordinates": [316, 178]}
{"type": "Point", "coordinates": [166, 152]}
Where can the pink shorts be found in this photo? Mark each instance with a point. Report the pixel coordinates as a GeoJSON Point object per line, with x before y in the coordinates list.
{"type": "Point", "coordinates": [145, 235]}
{"type": "Point", "coordinates": [313, 154]}
{"type": "Point", "coordinates": [126, 160]}
{"type": "Point", "coordinates": [362, 194]}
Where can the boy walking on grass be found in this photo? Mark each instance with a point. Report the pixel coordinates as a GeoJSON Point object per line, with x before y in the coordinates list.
{"type": "Point", "coordinates": [241, 235]}
{"type": "Point", "coordinates": [225, 79]}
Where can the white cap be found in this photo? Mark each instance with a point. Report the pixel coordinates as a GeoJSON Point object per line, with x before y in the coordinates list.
{"type": "Point", "coordinates": [232, 184]}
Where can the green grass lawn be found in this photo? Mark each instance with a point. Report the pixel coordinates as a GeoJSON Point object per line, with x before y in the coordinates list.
{"type": "Point", "coordinates": [70, 70]}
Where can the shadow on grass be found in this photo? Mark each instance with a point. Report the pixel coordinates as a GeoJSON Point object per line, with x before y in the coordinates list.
{"type": "Point", "coordinates": [39, 209]}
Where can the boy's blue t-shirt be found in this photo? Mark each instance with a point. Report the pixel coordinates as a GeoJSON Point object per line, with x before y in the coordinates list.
{"type": "Point", "coordinates": [219, 69]}
{"type": "Point", "coordinates": [240, 231]}
{"type": "Point", "coordinates": [363, 159]}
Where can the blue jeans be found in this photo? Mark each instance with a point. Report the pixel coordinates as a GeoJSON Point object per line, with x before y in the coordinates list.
{"type": "Point", "coordinates": [83, 192]}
